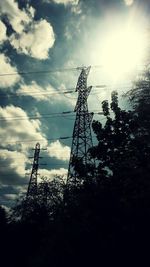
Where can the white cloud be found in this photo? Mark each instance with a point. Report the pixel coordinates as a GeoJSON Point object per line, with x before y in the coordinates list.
{"type": "Point", "coordinates": [12, 166]}
{"type": "Point", "coordinates": [17, 18]}
{"type": "Point", "coordinates": [6, 67]}
{"type": "Point", "coordinates": [74, 4]}
{"type": "Point", "coordinates": [59, 151]}
{"type": "Point", "coordinates": [38, 92]}
{"type": "Point", "coordinates": [33, 38]}
{"type": "Point", "coordinates": [10, 196]}
{"type": "Point", "coordinates": [129, 2]}
{"type": "Point", "coordinates": [47, 93]}
{"type": "Point", "coordinates": [20, 128]}
{"type": "Point", "coordinates": [35, 42]}
{"type": "Point", "coordinates": [14, 157]}
{"type": "Point", "coordinates": [76, 9]}
{"type": "Point", "coordinates": [10, 157]}
{"type": "Point", "coordinates": [50, 174]}
{"type": "Point", "coordinates": [3, 36]}
{"type": "Point", "coordinates": [64, 2]}
{"type": "Point", "coordinates": [31, 11]}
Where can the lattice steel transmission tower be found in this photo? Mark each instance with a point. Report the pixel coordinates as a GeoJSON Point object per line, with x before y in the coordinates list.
{"type": "Point", "coordinates": [32, 191]}
{"type": "Point", "coordinates": [32, 187]}
{"type": "Point", "coordinates": [81, 166]}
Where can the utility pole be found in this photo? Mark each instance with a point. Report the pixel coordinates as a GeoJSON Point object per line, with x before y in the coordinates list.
{"type": "Point", "coordinates": [81, 166]}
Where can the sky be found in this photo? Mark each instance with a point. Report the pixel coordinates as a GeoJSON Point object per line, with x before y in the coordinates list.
{"type": "Point", "coordinates": [42, 44]}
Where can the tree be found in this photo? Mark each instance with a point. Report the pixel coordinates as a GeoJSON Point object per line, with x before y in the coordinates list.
{"type": "Point", "coordinates": [139, 97]}
{"type": "Point", "coordinates": [3, 217]}
{"type": "Point", "coordinates": [119, 142]}
{"type": "Point", "coordinates": [123, 155]}
{"type": "Point", "coordinates": [42, 207]}
{"type": "Point", "coordinates": [122, 193]}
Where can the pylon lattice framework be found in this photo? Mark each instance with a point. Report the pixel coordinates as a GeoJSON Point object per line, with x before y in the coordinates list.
{"type": "Point", "coordinates": [31, 195]}
{"type": "Point", "coordinates": [82, 138]}
{"type": "Point", "coordinates": [32, 187]}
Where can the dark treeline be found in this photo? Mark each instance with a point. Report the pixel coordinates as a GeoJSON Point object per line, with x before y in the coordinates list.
{"type": "Point", "coordinates": [105, 219]}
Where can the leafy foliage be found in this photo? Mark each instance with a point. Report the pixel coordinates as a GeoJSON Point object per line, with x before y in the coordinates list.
{"type": "Point", "coordinates": [139, 97]}
{"type": "Point", "coordinates": [119, 147]}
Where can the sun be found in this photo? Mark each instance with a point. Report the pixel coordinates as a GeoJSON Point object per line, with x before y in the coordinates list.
{"type": "Point", "coordinates": [123, 51]}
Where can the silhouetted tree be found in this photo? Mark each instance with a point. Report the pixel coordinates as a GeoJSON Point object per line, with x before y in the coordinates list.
{"type": "Point", "coordinates": [3, 234]}
{"type": "Point", "coordinates": [121, 148]}
{"type": "Point", "coordinates": [109, 215]}
{"type": "Point", "coordinates": [3, 217]}
{"type": "Point", "coordinates": [44, 206]}
{"type": "Point", "coordinates": [139, 97]}
{"type": "Point", "coordinates": [122, 194]}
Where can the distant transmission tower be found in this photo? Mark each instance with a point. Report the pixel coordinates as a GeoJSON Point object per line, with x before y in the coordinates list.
{"type": "Point", "coordinates": [31, 195]}
{"type": "Point", "coordinates": [81, 165]}
{"type": "Point", "coordinates": [32, 187]}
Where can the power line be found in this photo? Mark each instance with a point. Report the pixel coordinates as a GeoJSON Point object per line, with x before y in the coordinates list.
{"type": "Point", "coordinates": [36, 140]}
{"type": "Point", "coordinates": [55, 114]}
{"type": "Point", "coordinates": [53, 70]}
{"type": "Point", "coordinates": [27, 158]}
{"type": "Point", "coordinates": [48, 115]}
{"type": "Point", "coordinates": [37, 72]}
{"type": "Point", "coordinates": [27, 93]}
{"type": "Point", "coordinates": [47, 164]}
{"type": "Point", "coordinates": [65, 93]}
{"type": "Point", "coordinates": [44, 71]}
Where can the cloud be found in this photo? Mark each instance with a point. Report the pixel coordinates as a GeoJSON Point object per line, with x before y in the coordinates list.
{"type": "Point", "coordinates": [14, 158]}
{"type": "Point", "coordinates": [50, 174]}
{"type": "Point", "coordinates": [59, 151]}
{"type": "Point", "coordinates": [32, 38]}
{"type": "Point", "coordinates": [10, 196]}
{"type": "Point", "coordinates": [12, 167]}
{"type": "Point", "coordinates": [64, 2]}
{"type": "Point", "coordinates": [35, 42]}
{"type": "Point", "coordinates": [16, 126]}
{"type": "Point", "coordinates": [6, 67]}
{"type": "Point", "coordinates": [47, 93]}
{"type": "Point", "coordinates": [37, 92]}
{"type": "Point", "coordinates": [17, 18]}
{"type": "Point", "coordinates": [3, 36]}
{"type": "Point", "coordinates": [74, 4]}
{"type": "Point", "coordinates": [14, 161]}
{"type": "Point", "coordinates": [129, 2]}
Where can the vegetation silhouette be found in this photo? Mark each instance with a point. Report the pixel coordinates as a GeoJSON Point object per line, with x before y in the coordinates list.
{"type": "Point", "coordinates": [107, 218]}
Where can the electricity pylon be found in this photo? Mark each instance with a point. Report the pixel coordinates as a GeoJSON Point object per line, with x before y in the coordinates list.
{"type": "Point", "coordinates": [32, 187]}
{"type": "Point", "coordinates": [81, 166]}
{"type": "Point", "coordinates": [32, 192]}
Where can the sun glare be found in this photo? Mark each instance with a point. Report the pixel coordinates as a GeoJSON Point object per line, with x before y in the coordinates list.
{"type": "Point", "coordinates": [123, 51]}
